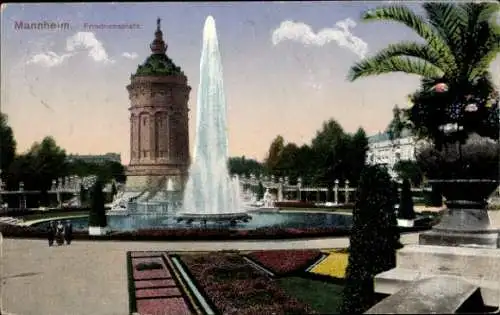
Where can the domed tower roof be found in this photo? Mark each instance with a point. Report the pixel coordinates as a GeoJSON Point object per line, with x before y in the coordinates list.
{"type": "Point", "coordinates": [158, 63]}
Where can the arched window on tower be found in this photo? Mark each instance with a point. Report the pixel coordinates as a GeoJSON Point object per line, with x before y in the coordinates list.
{"type": "Point", "coordinates": [157, 134]}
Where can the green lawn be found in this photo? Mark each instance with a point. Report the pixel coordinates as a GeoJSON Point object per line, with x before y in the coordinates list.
{"type": "Point", "coordinates": [322, 296]}
{"type": "Point", "coordinates": [49, 215]}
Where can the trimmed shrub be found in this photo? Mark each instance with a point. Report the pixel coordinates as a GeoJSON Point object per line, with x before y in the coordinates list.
{"type": "Point", "coordinates": [97, 213]}
{"type": "Point", "coordinates": [406, 210]}
{"type": "Point", "coordinates": [83, 195]}
{"type": "Point", "coordinates": [374, 238]}
{"type": "Point", "coordinates": [260, 191]}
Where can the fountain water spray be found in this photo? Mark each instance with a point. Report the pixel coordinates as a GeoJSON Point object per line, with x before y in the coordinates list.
{"type": "Point", "coordinates": [209, 190]}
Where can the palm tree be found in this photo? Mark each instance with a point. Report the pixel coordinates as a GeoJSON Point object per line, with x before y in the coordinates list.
{"type": "Point", "coordinates": [460, 43]}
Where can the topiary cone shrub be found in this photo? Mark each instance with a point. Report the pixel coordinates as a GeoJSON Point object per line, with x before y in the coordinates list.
{"type": "Point", "coordinates": [374, 238]}
{"type": "Point", "coordinates": [260, 191]}
{"type": "Point", "coordinates": [97, 213]}
{"type": "Point", "coordinates": [406, 210]}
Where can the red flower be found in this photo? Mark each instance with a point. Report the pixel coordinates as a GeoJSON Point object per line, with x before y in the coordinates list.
{"type": "Point", "coordinates": [236, 288]}
{"type": "Point", "coordinates": [285, 261]}
{"type": "Point", "coordinates": [441, 87]}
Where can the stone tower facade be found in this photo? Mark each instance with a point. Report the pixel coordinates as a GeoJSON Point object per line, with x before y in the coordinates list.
{"type": "Point", "coordinates": [159, 133]}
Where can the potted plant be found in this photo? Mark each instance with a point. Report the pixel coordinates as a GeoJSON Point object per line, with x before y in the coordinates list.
{"type": "Point", "coordinates": [462, 161]}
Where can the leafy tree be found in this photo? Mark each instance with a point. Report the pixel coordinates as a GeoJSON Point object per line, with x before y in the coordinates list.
{"type": "Point", "coordinates": [410, 170]}
{"type": "Point", "coordinates": [7, 144]}
{"type": "Point", "coordinates": [49, 162]}
{"type": "Point", "coordinates": [460, 41]}
{"type": "Point", "coordinates": [97, 213]}
{"type": "Point", "coordinates": [274, 154]}
{"type": "Point", "coordinates": [287, 163]}
{"type": "Point", "coordinates": [303, 164]}
{"type": "Point", "coordinates": [243, 166]}
{"type": "Point", "coordinates": [398, 123]}
{"type": "Point", "coordinates": [107, 171]}
{"type": "Point", "coordinates": [406, 210]}
{"type": "Point", "coordinates": [21, 170]}
{"type": "Point", "coordinates": [329, 147]}
{"type": "Point", "coordinates": [293, 162]}
{"type": "Point", "coordinates": [116, 170]}
{"type": "Point", "coordinates": [355, 156]}
{"type": "Point", "coordinates": [374, 238]}
{"type": "Point", "coordinates": [37, 168]}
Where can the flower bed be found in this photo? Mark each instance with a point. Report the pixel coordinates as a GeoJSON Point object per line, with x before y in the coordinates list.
{"type": "Point", "coordinates": [154, 291]}
{"type": "Point", "coordinates": [149, 266]}
{"type": "Point", "coordinates": [334, 265]}
{"type": "Point", "coordinates": [158, 306]}
{"type": "Point", "coordinates": [15, 231]}
{"type": "Point", "coordinates": [236, 288]}
{"type": "Point", "coordinates": [142, 284]}
{"type": "Point", "coordinates": [283, 262]}
{"type": "Point", "coordinates": [157, 292]}
{"type": "Point", "coordinates": [146, 274]}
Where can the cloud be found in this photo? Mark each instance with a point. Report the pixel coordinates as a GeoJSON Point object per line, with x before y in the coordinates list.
{"type": "Point", "coordinates": [303, 33]}
{"type": "Point", "coordinates": [48, 59]}
{"type": "Point", "coordinates": [88, 41]}
{"type": "Point", "coordinates": [128, 55]}
{"type": "Point", "coordinates": [81, 41]}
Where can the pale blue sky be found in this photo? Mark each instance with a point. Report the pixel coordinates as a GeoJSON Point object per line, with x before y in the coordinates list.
{"type": "Point", "coordinates": [287, 88]}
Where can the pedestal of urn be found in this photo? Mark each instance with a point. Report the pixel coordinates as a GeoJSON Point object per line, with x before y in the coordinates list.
{"type": "Point", "coordinates": [466, 222]}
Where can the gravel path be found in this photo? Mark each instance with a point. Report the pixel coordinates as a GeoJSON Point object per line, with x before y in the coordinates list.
{"type": "Point", "coordinates": [91, 278]}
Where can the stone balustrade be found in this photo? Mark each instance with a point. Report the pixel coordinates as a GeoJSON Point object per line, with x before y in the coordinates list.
{"type": "Point", "coordinates": [342, 192]}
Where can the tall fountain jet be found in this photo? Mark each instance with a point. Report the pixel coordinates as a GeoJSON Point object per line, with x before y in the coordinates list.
{"type": "Point", "coordinates": [210, 191]}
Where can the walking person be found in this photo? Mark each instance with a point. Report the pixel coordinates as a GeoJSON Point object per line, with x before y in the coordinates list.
{"type": "Point", "coordinates": [60, 233]}
{"type": "Point", "coordinates": [51, 232]}
{"type": "Point", "coordinates": [68, 232]}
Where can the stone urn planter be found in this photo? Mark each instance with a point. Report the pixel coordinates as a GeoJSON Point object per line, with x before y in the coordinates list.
{"type": "Point", "coordinates": [467, 175]}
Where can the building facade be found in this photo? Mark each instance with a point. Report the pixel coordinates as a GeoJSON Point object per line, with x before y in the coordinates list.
{"type": "Point", "coordinates": [99, 159]}
{"type": "Point", "coordinates": [159, 132]}
{"type": "Point", "coordinates": [384, 151]}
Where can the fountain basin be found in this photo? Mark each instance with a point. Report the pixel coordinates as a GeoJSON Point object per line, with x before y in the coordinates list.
{"type": "Point", "coordinates": [263, 220]}
{"type": "Point", "coordinates": [213, 218]}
